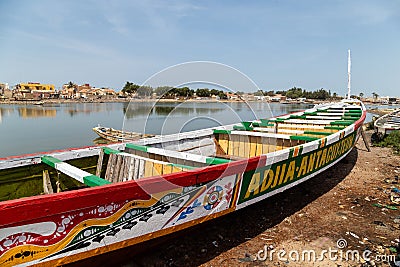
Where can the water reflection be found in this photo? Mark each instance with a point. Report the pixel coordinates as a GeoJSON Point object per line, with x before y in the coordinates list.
{"type": "Point", "coordinates": [74, 109]}
{"type": "Point", "coordinates": [135, 109]}
{"type": "Point", "coordinates": [61, 126]}
{"type": "Point", "coordinates": [5, 112]}
{"type": "Point", "coordinates": [27, 112]}
{"type": "Point", "coordinates": [173, 117]}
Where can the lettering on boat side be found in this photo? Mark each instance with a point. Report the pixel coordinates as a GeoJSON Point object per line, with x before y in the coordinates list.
{"type": "Point", "coordinates": [266, 179]}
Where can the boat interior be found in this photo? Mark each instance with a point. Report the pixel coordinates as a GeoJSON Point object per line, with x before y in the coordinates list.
{"type": "Point", "coordinates": [162, 155]}
{"type": "Point", "coordinates": [391, 120]}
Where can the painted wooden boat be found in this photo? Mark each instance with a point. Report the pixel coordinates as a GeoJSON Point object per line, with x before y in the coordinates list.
{"type": "Point", "coordinates": [387, 124]}
{"type": "Point", "coordinates": [107, 198]}
{"type": "Point", "coordinates": [114, 135]}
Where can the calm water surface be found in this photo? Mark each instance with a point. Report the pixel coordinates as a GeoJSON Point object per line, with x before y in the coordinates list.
{"type": "Point", "coordinates": [30, 128]}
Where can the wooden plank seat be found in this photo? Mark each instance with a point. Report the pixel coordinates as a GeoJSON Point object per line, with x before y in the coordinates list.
{"type": "Point", "coordinates": [122, 166]}
{"type": "Point", "coordinates": [172, 156]}
{"type": "Point", "coordinates": [74, 172]}
{"type": "Point", "coordinates": [245, 144]}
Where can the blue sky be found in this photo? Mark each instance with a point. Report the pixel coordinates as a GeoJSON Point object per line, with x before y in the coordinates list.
{"type": "Point", "coordinates": [278, 44]}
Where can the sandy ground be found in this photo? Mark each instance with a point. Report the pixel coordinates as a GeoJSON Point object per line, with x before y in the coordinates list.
{"type": "Point", "coordinates": [345, 210]}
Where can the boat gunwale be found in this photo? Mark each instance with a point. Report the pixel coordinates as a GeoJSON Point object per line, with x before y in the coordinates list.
{"type": "Point", "coordinates": [45, 208]}
{"type": "Point", "coordinates": [206, 174]}
{"type": "Point", "coordinates": [383, 126]}
{"type": "Point", "coordinates": [135, 189]}
{"type": "Point", "coordinates": [142, 188]}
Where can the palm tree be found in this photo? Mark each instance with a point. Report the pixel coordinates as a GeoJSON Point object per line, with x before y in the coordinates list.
{"type": "Point", "coordinates": [361, 95]}
{"type": "Point", "coordinates": [70, 85]}
{"type": "Point", "coordinates": [375, 95]}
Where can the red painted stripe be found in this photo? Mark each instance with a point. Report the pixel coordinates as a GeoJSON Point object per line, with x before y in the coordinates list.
{"type": "Point", "coordinates": [19, 211]}
{"type": "Point", "coordinates": [360, 121]}
{"type": "Point", "coordinates": [37, 208]}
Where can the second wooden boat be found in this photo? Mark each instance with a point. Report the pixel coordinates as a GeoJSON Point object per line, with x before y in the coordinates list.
{"type": "Point", "coordinates": [114, 135]}
{"type": "Point", "coordinates": [387, 124]}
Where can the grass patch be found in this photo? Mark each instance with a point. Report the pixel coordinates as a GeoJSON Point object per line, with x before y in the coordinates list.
{"type": "Point", "coordinates": [392, 140]}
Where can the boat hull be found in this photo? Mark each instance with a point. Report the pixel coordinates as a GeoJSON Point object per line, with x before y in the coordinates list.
{"type": "Point", "coordinates": [60, 228]}
{"type": "Point", "coordinates": [387, 123]}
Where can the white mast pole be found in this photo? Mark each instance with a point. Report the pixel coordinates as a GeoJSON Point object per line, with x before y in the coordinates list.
{"type": "Point", "coordinates": [348, 75]}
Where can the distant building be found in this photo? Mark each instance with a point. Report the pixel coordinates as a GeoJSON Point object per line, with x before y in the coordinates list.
{"type": "Point", "coordinates": [85, 91]}
{"type": "Point", "coordinates": [248, 97]}
{"type": "Point", "coordinates": [388, 100]}
{"type": "Point", "coordinates": [35, 87]}
{"type": "Point", "coordinates": [34, 91]}
{"type": "Point", "coordinates": [3, 88]}
{"type": "Point", "coordinates": [232, 96]}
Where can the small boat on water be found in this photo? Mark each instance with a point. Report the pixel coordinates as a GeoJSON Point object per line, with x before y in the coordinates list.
{"type": "Point", "coordinates": [114, 135]}
{"type": "Point", "coordinates": [63, 206]}
{"type": "Point", "coordinates": [387, 124]}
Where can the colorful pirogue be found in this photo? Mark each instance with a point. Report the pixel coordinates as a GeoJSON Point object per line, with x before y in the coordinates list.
{"type": "Point", "coordinates": [64, 206]}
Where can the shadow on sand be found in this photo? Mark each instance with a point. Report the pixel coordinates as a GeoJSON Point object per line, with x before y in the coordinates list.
{"type": "Point", "coordinates": [195, 246]}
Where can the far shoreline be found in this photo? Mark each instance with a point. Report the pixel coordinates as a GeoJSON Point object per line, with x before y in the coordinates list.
{"type": "Point", "coordinates": [125, 100]}
{"type": "Point", "coordinates": [164, 100]}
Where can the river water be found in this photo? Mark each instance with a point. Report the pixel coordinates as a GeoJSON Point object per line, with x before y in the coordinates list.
{"type": "Point", "coordinates": [33, 128]}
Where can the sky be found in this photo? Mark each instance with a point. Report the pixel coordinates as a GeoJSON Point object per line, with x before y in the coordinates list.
{"type": "Point", "coordinates": [278, 44]}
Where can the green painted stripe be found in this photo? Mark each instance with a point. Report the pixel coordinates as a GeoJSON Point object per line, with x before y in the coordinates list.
{"type": "Point", "coordinates": [310, 113]}
{"type": "Point", "coordinates": [351, 114]}
{"type": "Point", "coordinates": [109, 151]}
{"type": "Point", "coordinates": [354, 110]}
{"type": "Point", "coordinates": [349, 118]}
{"type": "Point", "coordinates": [317, 133]}
{"type": "Point", "coordinates": [93, 180]}
{"type": "Point", "coordinates": [182, 166]}
{"type": "Point", "coordinates": [256, 124]}
{"type": "Point", "coordinates": [218, 131]}
{"type": "Point", "coordinates": [280, 120]}
{"type": "Point", "coordinates": [215, 161]}
{"type": "Point", "coordinates": [239, 128]}
{"type": "Point", "coordinates": [266, 121]}
{"type": "Point", "coordinates": [247, 125]}
{"type": "Point", "coordinates": [322, 110]}
{"type": "Point", "coordinates": [303, 138]}
{"type": "Point", "coordinates": [342, 123]}
{"type": "Point", "coordinates": [266, 124]}
{"type": "Point", "coordinates": [334, 127]}
{"type": "Point", "coordinates": [137, 147]}
{"type": "Point", "coordinates": [51, 161]}
{"type": "Point", "coordinates": [297, 117]}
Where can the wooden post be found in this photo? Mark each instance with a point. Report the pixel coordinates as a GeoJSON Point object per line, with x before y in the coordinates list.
{"type": "Point", "coordinates": [117, 168]}
{"type": "Point", "coordinates": [110, 166]}
{"type": "Point", "coordinates": [131, 169]}
{"type": "Point", "coordinates": [364, 137]}
{"type": "Point", "coordinates": [100, 163]}
{"type": "Point", "coordinates": [276, 127]}
{"type": "Point", "coordinates": [218, 149]}
{"type": "Point", "coordinates": [46, 183]}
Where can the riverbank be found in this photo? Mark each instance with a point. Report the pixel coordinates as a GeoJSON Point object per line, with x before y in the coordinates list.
{"type": "Point", "coordinates": [349, 202]}
{"type": "Point", "coordinates": [381, 111]}
{"type": "Point", "coordinates": [125, 100]}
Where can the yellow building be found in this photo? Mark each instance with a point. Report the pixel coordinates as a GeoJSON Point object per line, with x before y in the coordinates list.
{"type": "Point", "coordinates": [36, 87]}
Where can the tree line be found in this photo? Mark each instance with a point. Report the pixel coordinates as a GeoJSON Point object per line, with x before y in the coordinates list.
{"type": "Point", "coordinates": [171, 92]}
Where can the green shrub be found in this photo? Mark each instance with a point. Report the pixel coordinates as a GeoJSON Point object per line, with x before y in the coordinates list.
{"type": "Point", "coordinates": [392, 140]}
